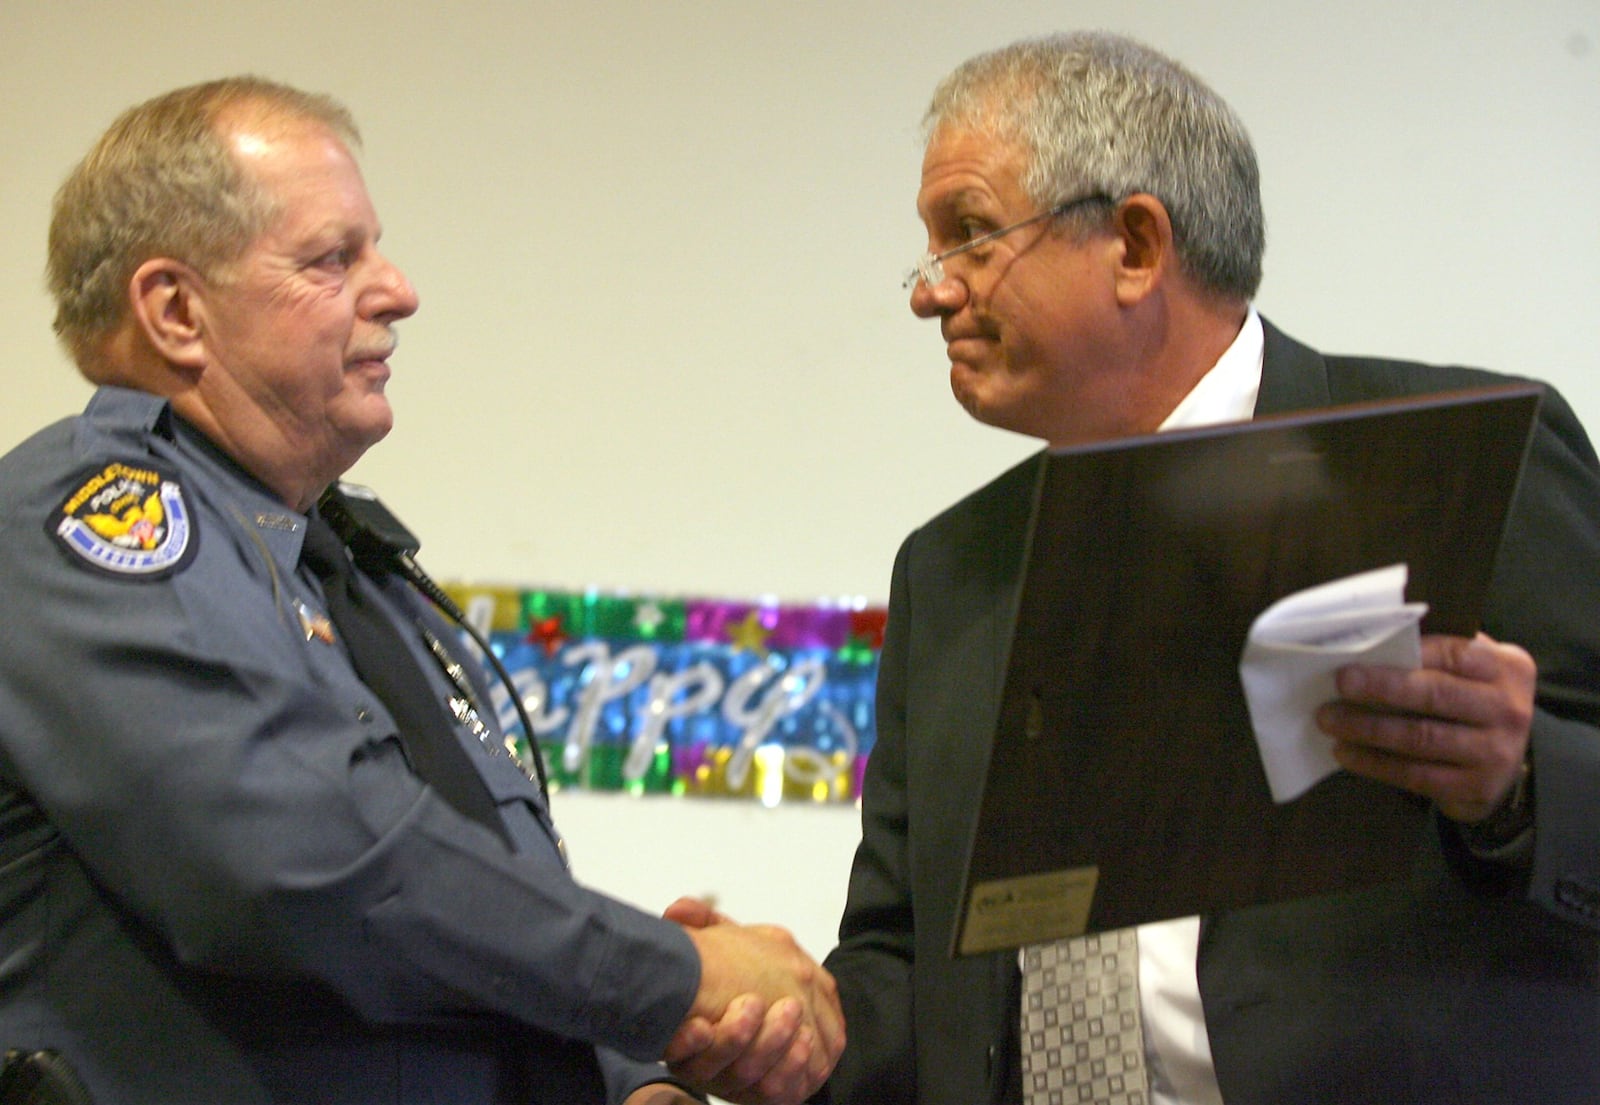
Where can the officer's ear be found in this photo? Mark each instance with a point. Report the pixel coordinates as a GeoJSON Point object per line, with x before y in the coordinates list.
{"type": "Point", "coordinates": [166, 300]}
{"type": "Point", "coordinates": [1146, 252]}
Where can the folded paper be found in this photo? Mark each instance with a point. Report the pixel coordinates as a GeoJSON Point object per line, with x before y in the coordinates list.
{"type": "Point", "coordinates": [1292, 652]}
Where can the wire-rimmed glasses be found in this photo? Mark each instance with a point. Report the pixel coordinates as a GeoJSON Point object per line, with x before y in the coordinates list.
{"type": "Point", "coordinates": [929, 268]}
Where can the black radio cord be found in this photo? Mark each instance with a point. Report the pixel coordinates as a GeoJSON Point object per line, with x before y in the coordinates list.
{"type": "Point", "coordinates": [413, 574]}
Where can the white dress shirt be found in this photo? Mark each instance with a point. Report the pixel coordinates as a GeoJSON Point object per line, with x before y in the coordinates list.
{"type": "Point", "coordinates": [1177, 1049]}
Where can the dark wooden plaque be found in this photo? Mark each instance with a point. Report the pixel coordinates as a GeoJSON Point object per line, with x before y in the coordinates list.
{"type": "Point", "coordinates": [1124, 783]}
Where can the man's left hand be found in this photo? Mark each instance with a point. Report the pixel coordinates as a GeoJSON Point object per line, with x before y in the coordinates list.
{"type": "Point", "coordinates": [1454, 730]}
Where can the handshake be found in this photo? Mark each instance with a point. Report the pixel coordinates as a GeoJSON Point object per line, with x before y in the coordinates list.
{"type": "Point", "coordinates": [765, 1027]}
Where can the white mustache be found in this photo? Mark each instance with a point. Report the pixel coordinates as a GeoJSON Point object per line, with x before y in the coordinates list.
{"type": "Point", "coordinates": [380, 351]}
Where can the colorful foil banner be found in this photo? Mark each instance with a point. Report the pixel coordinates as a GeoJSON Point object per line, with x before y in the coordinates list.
{"type": "Point", "coordinates": [759, 700]}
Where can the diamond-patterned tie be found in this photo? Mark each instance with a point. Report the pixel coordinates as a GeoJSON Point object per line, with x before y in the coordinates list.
{"type": "Point", "coordinates": [1082, 1039]}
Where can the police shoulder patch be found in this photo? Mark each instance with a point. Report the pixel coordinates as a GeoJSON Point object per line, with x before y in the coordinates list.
{"type": "Point", "coordinates": [129, 519]}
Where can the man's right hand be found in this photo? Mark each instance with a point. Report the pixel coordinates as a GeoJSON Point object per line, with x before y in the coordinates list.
{"type": "Point", "coordinates": [766, 1027]}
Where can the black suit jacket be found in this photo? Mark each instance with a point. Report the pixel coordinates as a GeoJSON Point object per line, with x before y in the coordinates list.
{"type": "Point", "coordinates": [1464, 985]}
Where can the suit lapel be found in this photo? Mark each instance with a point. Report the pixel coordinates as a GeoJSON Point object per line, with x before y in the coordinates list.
{"type": "Point", "coordinates": [1293, 376]}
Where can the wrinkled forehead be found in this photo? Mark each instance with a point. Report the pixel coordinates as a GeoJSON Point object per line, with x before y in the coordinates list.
{"type": "Point", "coordinates": [963, 166]}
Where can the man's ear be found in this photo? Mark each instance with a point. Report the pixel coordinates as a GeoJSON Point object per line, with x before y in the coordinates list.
{"type": "Point", "coordinates": [1144, 230]}
{"type": "Point", "coordinates": [166, 303]}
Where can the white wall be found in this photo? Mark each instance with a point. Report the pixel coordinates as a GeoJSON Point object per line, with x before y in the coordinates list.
{"type": "Point", "coordinates": [663, 344]}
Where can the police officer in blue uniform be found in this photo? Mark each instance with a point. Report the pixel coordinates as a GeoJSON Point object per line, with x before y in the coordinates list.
{"type": "Point", "coordinates": [230, 869]}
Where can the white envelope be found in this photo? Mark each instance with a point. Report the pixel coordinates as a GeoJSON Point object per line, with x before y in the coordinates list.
{"type": "Point", "coordinates": [1290, 656]}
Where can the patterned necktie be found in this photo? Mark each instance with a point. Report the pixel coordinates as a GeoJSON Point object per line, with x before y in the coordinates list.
{"type": "Point", "coordinates": [388, 667]}
{"type": "Point", "coordinates": [1082, 1039]}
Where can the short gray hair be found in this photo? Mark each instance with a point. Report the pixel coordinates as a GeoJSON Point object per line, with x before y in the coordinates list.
{"type": "Point", "coordinates": [162, 182]}
{"type": "Point", "coordinates": [1097, 112]}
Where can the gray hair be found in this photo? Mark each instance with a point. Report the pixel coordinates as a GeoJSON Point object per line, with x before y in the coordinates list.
{"type": "Point", "coordinates": [1097, 112]}
{"type": "Point", "coordinates": [162, 182]}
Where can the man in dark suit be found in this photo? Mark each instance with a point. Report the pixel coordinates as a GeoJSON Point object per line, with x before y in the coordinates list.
{"type": "Point", "coordinates": [1095, 238]}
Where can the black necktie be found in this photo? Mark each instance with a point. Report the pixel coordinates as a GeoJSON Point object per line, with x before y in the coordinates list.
{"type": "Point", "coordinates": [390, 669]}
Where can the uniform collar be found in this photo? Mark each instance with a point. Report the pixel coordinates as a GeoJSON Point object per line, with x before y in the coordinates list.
{"type": "Point", "coordinates": [140, 415]}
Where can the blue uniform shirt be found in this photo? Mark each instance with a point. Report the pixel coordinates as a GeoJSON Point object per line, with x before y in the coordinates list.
{"type": "Point", "coordinates": [219, 879]}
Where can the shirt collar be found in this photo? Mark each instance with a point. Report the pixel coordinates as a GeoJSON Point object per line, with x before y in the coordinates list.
{"type": "Point", "coordinates": [1226, 393]}
{"type": "Point", "coordinates": [279, 527]}
{"type": "Point", "coordinates": [125, 416]}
